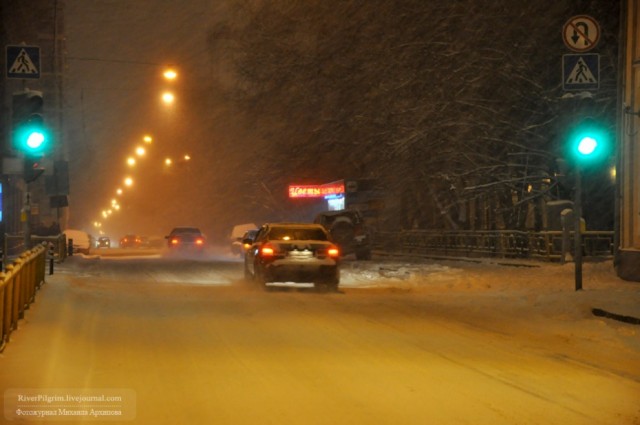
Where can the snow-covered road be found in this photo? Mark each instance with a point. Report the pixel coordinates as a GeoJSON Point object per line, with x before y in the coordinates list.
{"type": "Point", "coordinates": [188, 342]}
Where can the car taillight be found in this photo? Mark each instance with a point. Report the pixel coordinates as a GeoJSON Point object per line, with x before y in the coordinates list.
{"type": "Point", "coordinates": [174, 241]}
{"type": "Point", "coordinates": [199, 241]}
{"type": "Point", "coordinates": [267, 251]}
{"type": "Point", "coordinates": [333, 252]}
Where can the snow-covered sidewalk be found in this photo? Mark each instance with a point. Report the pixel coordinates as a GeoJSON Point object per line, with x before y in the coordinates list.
{"type": "Point", "coordinates": [602, 289]}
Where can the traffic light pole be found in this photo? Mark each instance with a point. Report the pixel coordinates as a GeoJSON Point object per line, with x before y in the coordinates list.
{"type": "Point", "coordinates": [577, 257]}
{"type": "Point", "coordinates": [27, 222]}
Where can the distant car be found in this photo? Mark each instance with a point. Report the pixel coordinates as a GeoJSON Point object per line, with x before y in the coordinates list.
{"type": "Point", "coordinates": [293, 252]}
{"type": "Point", "coordinates": [186, 239]}
{"type": "Point", "coordinates": [130, 241]}
{"type": "Point", "coordinates": [237, 234]}
{"type": "Point", "coordinates": [103, 242]}
{"type": "Point", "coordinates": [348, 231]}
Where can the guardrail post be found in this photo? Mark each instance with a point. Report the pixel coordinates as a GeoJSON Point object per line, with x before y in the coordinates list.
{"type": "Point", "coordinates": [51, 255]}
{"type": "Point", "coordinates": [70, 247]}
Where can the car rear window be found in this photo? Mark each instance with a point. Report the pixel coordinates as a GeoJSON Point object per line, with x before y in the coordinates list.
{"type": "Point", "coordinates": [297, 234]}
{"type": "Point", "coordinates": [186, 230]}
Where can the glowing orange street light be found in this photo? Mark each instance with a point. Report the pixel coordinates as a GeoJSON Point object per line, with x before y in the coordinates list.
{"type": "Point", "coordinates": [147, 139]}
{"type": "Point", "coordinates": [170, 74]}
{"type": "Point", "coordinates": [168, 97]}
{"type": "Point", "coordinates": [128, 181]}
{"type": "Point", "coordinates": [131, 161]}
{"type": "Point", "coordinates": [140, 151]}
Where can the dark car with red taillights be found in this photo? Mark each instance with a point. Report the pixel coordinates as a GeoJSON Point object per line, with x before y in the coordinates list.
{"type": "Point", "coordinates": [293, 252]}
{"type": "Point", "coordinates": [186, 239]}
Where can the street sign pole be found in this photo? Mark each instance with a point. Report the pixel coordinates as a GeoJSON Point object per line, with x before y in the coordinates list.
{"type": "Point", "coordinates": [577, 255]}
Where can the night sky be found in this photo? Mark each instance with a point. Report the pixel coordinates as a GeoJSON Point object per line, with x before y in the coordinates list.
{"type": "Point", "coordinates": [430, 98]}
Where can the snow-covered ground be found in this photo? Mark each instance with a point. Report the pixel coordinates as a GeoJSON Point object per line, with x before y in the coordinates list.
{"type": "Point", "coordinates": [549, 286]}
{"type": "Point", "coordinates": [402, 342]}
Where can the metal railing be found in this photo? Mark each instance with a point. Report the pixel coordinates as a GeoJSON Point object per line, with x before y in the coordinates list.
{"type": "Point", "coordinates": [547, 245]}
{"type": "Point", "coordinates": [18, 286]}
{"type": "Point", "coordinates": [14, 246]}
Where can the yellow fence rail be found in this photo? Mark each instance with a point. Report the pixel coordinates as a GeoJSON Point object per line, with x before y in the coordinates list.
{"type": "Point", "coordinates": [18, 286]}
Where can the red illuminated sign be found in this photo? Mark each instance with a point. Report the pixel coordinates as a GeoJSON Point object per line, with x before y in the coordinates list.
{"type": "Point", "coordinates": [316, 191]}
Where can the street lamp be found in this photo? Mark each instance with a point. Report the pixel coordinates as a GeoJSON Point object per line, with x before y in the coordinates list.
{"type": "Point", "coordinates": [128, 181]}
{"type": "Point", "coordinates": [147, 139]}
{"type": "Point", "coordinates": [140, 151]}
{"type": "Point", "coordinates": [170, 74]}
{"type": "Point", "coordinates": [131, 161]}
{"type": "Point", "coordinates": [168, 97]}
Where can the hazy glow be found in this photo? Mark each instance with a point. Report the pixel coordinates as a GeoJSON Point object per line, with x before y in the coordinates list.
{"type": "Point", "coordinates": [131, 161]}
{"type": "Point", "coordinates": [187, 157]}
{"type": "Point", "coordinates": [168, 161]}
{"type": "Point", "coordinates": [147, 139]}
{"type": "Point", "coordinates": [128, 181]}
{"type": "Point", "coordinates": [119, 191]}
{"type": "Point", "coordinates": [140, 151]}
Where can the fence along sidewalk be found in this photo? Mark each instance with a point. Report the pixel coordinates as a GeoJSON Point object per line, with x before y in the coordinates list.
{"type": "Point", "coordinates": [18, 286]}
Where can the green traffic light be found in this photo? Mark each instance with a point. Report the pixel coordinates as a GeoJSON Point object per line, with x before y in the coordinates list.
{"type": "Point", "coordinates": [588, 142]}
{"type": "Point", "coordinates": [32, 139]}
{"type": "Point", "coordinates": [587, 145]}
{"type": "Point", "coordinates": [35, 140]}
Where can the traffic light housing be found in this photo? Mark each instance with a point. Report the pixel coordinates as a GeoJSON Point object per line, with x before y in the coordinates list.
{"type": "Point", "coordinates": [589, 142]}
{"type": "Point", "coordinates": [30, 134]}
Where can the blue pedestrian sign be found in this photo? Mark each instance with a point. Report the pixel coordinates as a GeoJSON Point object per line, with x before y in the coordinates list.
{"type": "Point", "coordinates": [23, 62]}
{"type": "Point", "coordinates": [581, 71]}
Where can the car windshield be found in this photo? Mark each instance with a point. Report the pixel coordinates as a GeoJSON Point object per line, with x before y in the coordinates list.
{"type": "Point", "coordinates": [297, 233]}
{"type": "Point", "coordinates": [186, 230]}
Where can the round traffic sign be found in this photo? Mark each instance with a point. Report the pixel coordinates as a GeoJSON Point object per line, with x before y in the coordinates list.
{"type": "Point", "coordinates": [581, 33]}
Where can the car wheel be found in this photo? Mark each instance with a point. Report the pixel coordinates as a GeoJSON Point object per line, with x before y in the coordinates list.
{"type": "Point", "coordinates": [247, 274]}
{"type": "Point", "coordinates": [330, 284]}
{"type": "Point", "coordinates": [327, 286]}
{"type": "Point", "coordinates": [342, 233]}
{"type": "Point", "coordinates": [259, 276]}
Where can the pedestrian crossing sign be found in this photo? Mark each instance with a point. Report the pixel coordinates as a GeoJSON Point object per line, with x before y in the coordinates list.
{"type": "Point", "coordinates": [23, 62]}
{"type": "Point", "coordinates": [581, 71]}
